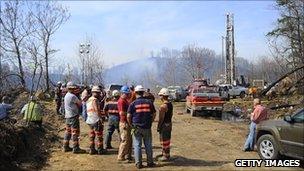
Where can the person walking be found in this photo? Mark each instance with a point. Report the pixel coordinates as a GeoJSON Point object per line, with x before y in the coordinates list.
{"type": "Point", "coordinates": [95, 121]}
{"type": "Point", "coordinates": [125, 147]}
{"type": "Point", "coordinates": [259, 114]}
{"type": "Point", "coordinates": [72, 107]}
{"type": "Point", "coordinates": [111, 110]}
{"type": "Point", "coordinates": [141, 114]}
{"type": "Point", "coordinates": [58, 97]}
{"type": "Point", "coordinates": [164, 126]}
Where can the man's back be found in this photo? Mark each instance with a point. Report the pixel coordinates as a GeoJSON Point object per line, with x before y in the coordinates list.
{"type": "Point", "coordinates": [142, 111]}
{"type": "Point", "coordinates": [70, 105]}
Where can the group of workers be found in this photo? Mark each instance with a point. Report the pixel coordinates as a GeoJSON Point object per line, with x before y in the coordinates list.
{"type": "Point", "coordinates": [31, 111]}
{"type": "Point", "coordinates": [130, 111]}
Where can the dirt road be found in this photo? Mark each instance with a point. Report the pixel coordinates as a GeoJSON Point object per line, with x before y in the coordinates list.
{"type": "Point", "coordinates": [197, 144]}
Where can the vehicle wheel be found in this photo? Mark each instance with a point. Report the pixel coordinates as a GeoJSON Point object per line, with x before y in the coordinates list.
{"type": "Point", "coordinates": [193, 112]}
{"type": "Point", "coordinates": [242, 94]}
{"type": "Point", "coordinates": [219, 114]}
{"type": "Point", "coordinates": [267, 147]}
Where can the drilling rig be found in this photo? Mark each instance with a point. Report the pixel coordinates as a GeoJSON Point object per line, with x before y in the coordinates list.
{"type": "Point", "coordinates": [230, 51]}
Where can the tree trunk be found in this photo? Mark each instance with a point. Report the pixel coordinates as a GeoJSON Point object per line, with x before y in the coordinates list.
{"type": "Point", "coordinates": [263, 93]}
{"type": "Point", "coordinates": [20, 68]}
{"type": "Point", "coordinates": [46, 53]}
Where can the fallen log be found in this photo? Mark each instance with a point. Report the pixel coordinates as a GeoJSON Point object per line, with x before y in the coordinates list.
{"type": "Point", "coordinates": [282, 106]}
{"type": "Point", "coordinates": [263, 92]}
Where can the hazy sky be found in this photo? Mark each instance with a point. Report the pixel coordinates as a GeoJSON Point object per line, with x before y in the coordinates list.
{"type": "Point", "coordinates": [132, 29]}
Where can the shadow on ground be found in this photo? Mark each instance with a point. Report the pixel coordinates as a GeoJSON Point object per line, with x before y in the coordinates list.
{"type": "Point", "coordinates": [183, 161]}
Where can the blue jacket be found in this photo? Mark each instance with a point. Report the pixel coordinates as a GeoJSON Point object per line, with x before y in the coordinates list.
{"type": "Point", "coordinates": [4, 108]}
{"type": "Point", "coordinates": [141, 111]}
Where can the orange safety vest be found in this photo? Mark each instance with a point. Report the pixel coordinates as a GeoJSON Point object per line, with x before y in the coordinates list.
{"type": "Point", "coordinates": [91, 112]}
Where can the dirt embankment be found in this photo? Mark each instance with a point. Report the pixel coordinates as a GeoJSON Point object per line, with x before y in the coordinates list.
{"type": "Point", "coordinates": [277, 108]}
{"type": "Point", "coordinates": [25, 146]}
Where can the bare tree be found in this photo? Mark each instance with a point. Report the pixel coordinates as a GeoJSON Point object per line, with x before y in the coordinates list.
{"type": "Point", "coordinates": [171, 68]}
{"type": "Point", "coordinates": [16, 26]}
{"type": "Point", "coordinates": [35, 62]}
{"type": "Point", "coordinates": [197, 60]}
{"type": "Point", "coordinates": [93, 63]}
{"type": "Point", "coordinates": [287, 38]}
{"type": "Point", "coordinates": [49, 17]}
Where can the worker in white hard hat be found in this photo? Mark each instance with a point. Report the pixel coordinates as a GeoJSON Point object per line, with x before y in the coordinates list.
{"type": "Point", "coordinates": [111, 110]}
{"type": "Point", "coordinates": [72, 106]}
{"type": "Point", "coordinates": [164, 126]}
{"type": "Point", "coordinates": [141, 114]}
{"type": "Point", "coordinates": [95, 121]}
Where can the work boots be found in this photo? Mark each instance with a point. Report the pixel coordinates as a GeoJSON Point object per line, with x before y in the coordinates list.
{"type": "Point", "coordinates": [102, 151]}
{"type": "Point", "coordinates": [66, 148]}
{"type": "Point", "coordinates": [93, 151]}
{"type": "Point", "coordinates": [77, 150]}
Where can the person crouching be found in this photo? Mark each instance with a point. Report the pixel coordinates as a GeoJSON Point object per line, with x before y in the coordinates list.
{"type": "Point", "coordinates": [95, 121]}
{"type": "Point", "coordinates": [32, 112]}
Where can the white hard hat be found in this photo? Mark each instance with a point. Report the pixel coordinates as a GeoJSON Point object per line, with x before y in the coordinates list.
{"type": "Point", "coordinates": [71, 85]}
{"type": "Point", "coordinates": [115, 93]}
{"type": "Point", "coordinates": [164, 92]}
{"type": "Point", "coordinates": [59, 83]}
{"type": "Point", "coordinates": [96, 89]}
{"type": "Point", "coordinates": [139, 88]}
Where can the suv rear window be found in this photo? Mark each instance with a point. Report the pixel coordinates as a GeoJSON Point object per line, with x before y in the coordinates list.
{"type": "Point", "coordinates": [299, 117]}
{"type": "Point", "coordinates": [115, 87]}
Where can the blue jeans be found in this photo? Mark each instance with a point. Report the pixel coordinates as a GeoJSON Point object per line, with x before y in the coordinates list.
{"type": "Point", "coordinates": [140, 135]}
{"type": "Point", "coordinates": [249, 144]}
{"type": "Point", "coordinates": [113, 123]}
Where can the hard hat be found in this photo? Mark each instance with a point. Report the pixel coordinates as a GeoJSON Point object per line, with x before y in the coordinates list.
{"type": "Point", "coordinates": [164, 92]}
{"type": "Point", "coordinates": [115, 93]}
{"type": "Point", "coordinates": [139, 88]}
{"type": "Point", "coordinates": [59, 83]}
{"type": "Point", "coordinates": [125, 89]}
{"type": "Point", "coordinates": [71, 85]}
{"type": "Point", "coordinates": [96, 89]}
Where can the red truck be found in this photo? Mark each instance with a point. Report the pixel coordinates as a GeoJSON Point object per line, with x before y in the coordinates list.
{"type": "Point", "coordinates": [205, 98]}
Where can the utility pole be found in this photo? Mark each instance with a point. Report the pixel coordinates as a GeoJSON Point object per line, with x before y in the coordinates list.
{"type": "Point", "coordinates": [230, 50]}
{"type": "Point", "coordinates": [223, 65]}
{"type": "Point", "coordinates": [84, 50]}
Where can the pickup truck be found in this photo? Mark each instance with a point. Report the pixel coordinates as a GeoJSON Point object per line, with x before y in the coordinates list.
{"type": "Point", "coordinates": [177, 93]}
{"type": "Point", "coordinates": [111, 88]}
{"type": "Point", "coordinates": [204, 99]}
{"type": "Point", "coordinates": [234, 91]}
